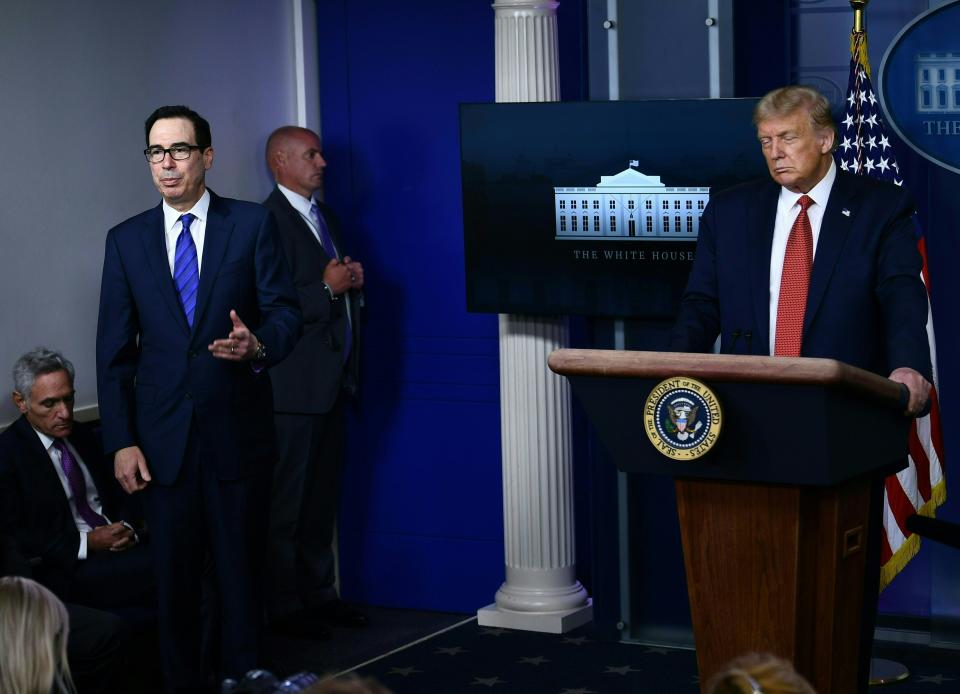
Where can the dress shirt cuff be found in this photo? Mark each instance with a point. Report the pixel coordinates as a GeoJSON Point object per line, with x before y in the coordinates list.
{"type": "Point", "coordinates": [82, 552]}
{"type": "Point", "coordinates": [136, 538]}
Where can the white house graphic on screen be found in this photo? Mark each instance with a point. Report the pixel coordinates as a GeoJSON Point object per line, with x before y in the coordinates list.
{"type": "Point", "coordinates": [938, 83]}
{"type": "Point", "coordinates": [629, 206]}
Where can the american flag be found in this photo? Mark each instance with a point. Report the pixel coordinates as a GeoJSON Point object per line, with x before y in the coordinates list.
{"type": "Point", "coordinates": [864, 149]}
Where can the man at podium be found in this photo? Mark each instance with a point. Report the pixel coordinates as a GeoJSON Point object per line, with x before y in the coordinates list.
{"type": "Point", "coordinates": [817, 262]}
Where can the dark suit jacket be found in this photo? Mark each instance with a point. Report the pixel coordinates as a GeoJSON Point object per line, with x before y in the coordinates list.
{"type": "Point", "coordinates": [12, 561]}
{"type": "Point", "coordinates": [34, 510]}
{"type": "Point", "coordinates": [154, 373]}
{"type": "Point", "coordinates": [866, 305]}
{"type": "Point", "coordinates": [309, 380]}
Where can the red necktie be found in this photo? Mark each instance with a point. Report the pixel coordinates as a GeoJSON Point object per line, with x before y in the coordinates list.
{"type": "Point", "coordinates": [794, 284]}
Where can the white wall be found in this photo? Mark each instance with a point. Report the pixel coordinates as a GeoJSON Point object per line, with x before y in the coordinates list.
{"type": "Point", "coordinates": [77, 81]}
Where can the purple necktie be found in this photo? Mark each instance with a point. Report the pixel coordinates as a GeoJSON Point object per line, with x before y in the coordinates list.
{"type": "Point", "coordinates": [325, 239]}
{"type": "Point", "coordinates": [186, 272]}
{"type": "Point", "coordinates": [327, 242]}
{"type": "Point", "coordinates": [77, 485]}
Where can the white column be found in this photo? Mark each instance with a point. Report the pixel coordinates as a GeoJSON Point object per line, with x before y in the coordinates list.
{"type": "Point", "coordinates": [541, 591]}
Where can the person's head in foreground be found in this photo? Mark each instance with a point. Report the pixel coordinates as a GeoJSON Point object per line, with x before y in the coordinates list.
{"type": "Point", "coordinates": [33, 639]}
{"type": "Point", "coordinates": [347, 684]}
{"type": "Point", "coordinates": [758, 673]}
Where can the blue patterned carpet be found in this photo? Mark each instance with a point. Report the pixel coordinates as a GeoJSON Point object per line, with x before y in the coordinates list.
{"type": "Point", "coordinates": [471, 659]}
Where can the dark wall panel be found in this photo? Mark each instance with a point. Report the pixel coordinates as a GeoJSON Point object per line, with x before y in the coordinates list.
{"type": "Point", "coordinates": [663, 50]}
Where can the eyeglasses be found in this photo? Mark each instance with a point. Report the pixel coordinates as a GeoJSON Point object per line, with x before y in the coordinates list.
{"type": "Point", "coordinates": [155, 155]}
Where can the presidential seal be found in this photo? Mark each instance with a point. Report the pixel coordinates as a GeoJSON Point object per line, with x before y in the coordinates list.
{"type": "Point", "coordinates": [682, 418]}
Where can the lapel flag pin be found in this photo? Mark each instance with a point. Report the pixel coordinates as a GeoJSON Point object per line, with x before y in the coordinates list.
{"type": "Point", "coordinates": [845, 212]}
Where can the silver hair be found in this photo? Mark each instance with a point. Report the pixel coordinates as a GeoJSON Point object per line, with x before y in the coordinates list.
{"type": "Point", "coordinates": [37, 362]}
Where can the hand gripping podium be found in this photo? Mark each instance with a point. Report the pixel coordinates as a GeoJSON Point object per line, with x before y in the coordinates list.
{"type": "Point", "coordinates": [781, 519]}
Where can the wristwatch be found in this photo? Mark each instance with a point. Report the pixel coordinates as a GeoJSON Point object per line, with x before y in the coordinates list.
{"type": "Point", "coordinates": [261, 353]}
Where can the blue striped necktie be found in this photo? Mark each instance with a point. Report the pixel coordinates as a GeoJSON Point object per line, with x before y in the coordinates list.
{"type": "Point", "coordinates": [186, 272]}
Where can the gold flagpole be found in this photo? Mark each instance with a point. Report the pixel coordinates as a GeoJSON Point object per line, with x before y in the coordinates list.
{"type": "Point", "coordinates": [882, 671]}
{"type": "Point", "coordinates": [858, 7]}
{"type": "Point", "coordinates": [858, 36]}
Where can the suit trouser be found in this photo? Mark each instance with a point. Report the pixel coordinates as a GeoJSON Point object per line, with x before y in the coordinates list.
{"type": "Point", "coordinates": [108, 580]}
{"type": "Point", "coordinates": [303, 509]}
{"type": "Point", "coordinates": [201, 517]}
{"type": "Point", "coordinates": [94, 649]}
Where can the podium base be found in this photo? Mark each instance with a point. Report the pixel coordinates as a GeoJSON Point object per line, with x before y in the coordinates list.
{"type": "Point", "coordinates": [547, 622]}
{"type": "Point", "coordinates": [884, 671]}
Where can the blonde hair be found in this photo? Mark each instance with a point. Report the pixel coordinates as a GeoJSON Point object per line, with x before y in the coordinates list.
{"type": "Point", "coordinates": [33, 639]}
{"type": "Point", "coordinates": [786, 101]}
{"type": "Point", "coordinates": [759, 673]}
{"type": "Point", "coordinates": [347, 684]}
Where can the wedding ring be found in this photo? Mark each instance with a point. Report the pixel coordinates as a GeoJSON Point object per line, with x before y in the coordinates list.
{"type": "Point", "coordinates": [232, 350]}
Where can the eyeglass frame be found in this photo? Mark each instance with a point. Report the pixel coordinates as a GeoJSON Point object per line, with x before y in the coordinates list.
{"type": "Point", "coordinates": [169, 150]}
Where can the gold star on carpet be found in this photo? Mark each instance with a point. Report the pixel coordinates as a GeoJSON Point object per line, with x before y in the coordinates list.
{"type": "Point", "coordinates": [488, 681]}
{"type": "Point", "coordinates": [492, 632]}
{"type": "Point", "coordinates": [452, 650]}
{"type": "Point", "coordinates": [403, 671]}
{"type": "Point", "coordinates": [621, 670]}
{"type": "Point", "coordinates": [538, 660]}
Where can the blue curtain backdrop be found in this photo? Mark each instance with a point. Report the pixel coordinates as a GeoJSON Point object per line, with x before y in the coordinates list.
{"type": "Point", "coordinates": [421, 521]}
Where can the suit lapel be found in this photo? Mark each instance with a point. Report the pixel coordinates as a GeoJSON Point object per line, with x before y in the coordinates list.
{"type": "Point", "coordinates": [215, 241]}
{"type": "Point", "coordinates": [39, 464]}
{"type": "Point", "coordinates": [834, 230]}
{"type": "Point", "coordinates": [155, 248]}
{"type": "Point", "coordinates": [762, 218]}
{"type": "Point", "coordinates": [298, 222]}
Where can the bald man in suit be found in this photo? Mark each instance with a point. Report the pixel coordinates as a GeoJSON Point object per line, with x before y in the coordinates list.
{"type": "Point", "coordinates": [310, 390]}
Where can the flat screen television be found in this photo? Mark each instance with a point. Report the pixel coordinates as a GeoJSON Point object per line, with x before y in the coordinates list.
{"type": "Point", "coordinates": [593, 208]}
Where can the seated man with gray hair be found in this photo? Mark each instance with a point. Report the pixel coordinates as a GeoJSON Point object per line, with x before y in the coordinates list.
{"type": "Point", "coordinates": [57, 499]}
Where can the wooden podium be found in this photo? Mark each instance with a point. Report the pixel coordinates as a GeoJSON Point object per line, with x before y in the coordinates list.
{"type": "Point", "coordinates": [781, 519]}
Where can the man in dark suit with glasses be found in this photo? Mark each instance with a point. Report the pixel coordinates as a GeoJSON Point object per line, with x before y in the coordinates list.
{"type": "Point", "coordinates": [196, 302]}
